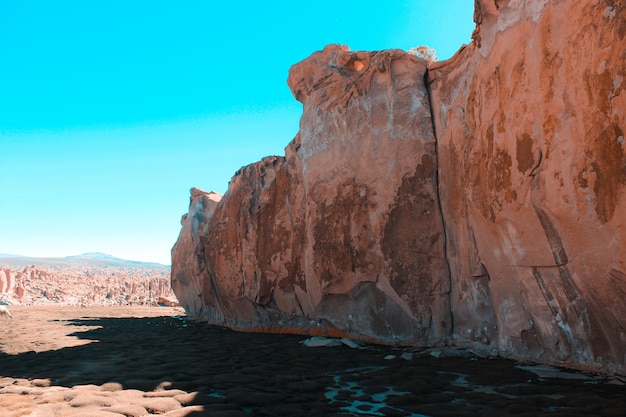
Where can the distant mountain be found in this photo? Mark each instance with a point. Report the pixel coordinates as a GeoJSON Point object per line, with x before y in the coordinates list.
{"type": "Point", "coordinates": [92, 259]}
{"type": "Point", "coordinates": [93, 255]}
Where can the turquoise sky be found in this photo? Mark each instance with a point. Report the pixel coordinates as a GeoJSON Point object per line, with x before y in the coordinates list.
{"type": "Point", "coordinates": [110, 111]}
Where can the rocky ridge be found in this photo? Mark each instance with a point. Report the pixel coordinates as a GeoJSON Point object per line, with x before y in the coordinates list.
{"type": "Point", "coordinates": [474, 202]}
{"type": "Point", "coordinates": [83, 280]}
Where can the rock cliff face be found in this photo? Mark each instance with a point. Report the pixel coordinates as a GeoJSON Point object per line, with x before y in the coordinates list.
{"type": "Point", "coordinates": [345, 233]}
{"type": "Point", "coordinates": [530, 125]}
{"type": "Point", "coordinates": [478, 201]}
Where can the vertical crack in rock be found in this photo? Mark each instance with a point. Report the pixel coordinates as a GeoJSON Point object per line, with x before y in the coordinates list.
{"type": "Point", "coordinates": [438, 193]}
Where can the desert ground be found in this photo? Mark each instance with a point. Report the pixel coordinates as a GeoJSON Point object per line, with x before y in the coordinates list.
{"type": "Point", "coordinates": [58, 361]}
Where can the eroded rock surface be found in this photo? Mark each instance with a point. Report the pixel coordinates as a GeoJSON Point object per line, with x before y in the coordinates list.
{"type": "Point", "coordinates": [530, 124]}
{"type": "Point", "coordinates": [482, 207]}
{"type": "Point", "coordinates": [344, 233]}
{"type": "Point", "coordinates": [58, 281]}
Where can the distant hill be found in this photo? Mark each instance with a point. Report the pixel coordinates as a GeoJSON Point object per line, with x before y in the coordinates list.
{"type": "Point", "coordinates": [92, 259]}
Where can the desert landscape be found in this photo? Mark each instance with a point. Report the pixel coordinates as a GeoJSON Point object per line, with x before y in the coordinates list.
{"type": "Point", "coordinates": [439, 239]}
{"type": "Point", "coordinates": [83, 280]}
{"type": "Point", "coordinates": [131, 361]}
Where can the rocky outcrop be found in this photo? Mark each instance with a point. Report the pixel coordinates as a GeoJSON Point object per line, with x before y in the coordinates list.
{"type": "Point", "coordinates": [326, 239]}
{"type": "Point", "coordinates": [63, 281]}
{"type": "Point", "coordinates": [530, 123]}
{"type": "Point", "coordinates": [479, 201]}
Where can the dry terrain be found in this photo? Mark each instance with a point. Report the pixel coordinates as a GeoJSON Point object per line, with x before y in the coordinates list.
{"type": "Point", "coordinates": [116, 361]}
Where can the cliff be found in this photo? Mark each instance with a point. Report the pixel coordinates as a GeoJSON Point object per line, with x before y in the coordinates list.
{"type": "Point", "coordinates": [530, 127]}
{"type": "Point", "coordinates": [478, 202]}
{"type": "Point", "coordinates": [326, 238]}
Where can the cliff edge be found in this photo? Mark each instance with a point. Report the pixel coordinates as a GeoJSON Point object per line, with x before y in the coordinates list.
{"type": "Point", "coordinates": [478, 201]}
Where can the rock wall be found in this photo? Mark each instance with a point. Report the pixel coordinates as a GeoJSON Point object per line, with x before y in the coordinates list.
{"type": "Point", "coordinates": [345, 233]}
{"type": "Point", "coordinates": [478, 202]}
{"type": "Point", "coordinates": [530, 123]}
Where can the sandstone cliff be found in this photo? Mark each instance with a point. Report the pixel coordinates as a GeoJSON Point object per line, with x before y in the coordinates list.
{"type": "Point", "coordinates": [530, 126]}
{"type": "Point", "coordinates": [326, 238]}
{"type": "Point", "coordinates": [479, 201]}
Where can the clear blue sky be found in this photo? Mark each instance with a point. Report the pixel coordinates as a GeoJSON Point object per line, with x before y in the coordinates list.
{"type": "Point", "coordinates": [110, 111]}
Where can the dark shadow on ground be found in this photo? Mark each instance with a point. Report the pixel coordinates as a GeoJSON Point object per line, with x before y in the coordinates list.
{"type": "Point", "coordinates": [262, 374]}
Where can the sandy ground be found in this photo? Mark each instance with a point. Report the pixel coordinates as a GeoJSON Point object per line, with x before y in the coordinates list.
{"type": "Point", "coordinates": [141, 361]}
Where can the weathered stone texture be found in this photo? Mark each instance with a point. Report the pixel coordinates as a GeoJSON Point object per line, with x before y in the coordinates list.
{"type": "Point", "coordinates": [530, 126]}
{"type": "Point", "coordinates": [189, 269]}
{"type": "Point", "coordinates": [69, 282]}
{"type": "Point", "coordinates": [343, 233]}
{"type": "Point", "coordinates": [484, 207]}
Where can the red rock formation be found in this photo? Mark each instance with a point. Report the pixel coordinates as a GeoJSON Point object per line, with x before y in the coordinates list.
{"type": "Point", "coordinates": [530, 125]}
{"type": "Point", "coordinates": [525, 257]}
{"type": "Point", "coordinates": [76, 284]}
{"type": "Point", "coordinates": [190, 270]}
{"type": "Point", "coordinates": [345, 232]}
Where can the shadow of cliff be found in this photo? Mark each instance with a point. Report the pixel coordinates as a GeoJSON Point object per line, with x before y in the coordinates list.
{"type": "Point", "coordinates": [148, 353]}
{"type": "Point", "coordinates": [273, 374]}
{"type": "Point", "coordinates": [219, 366]}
